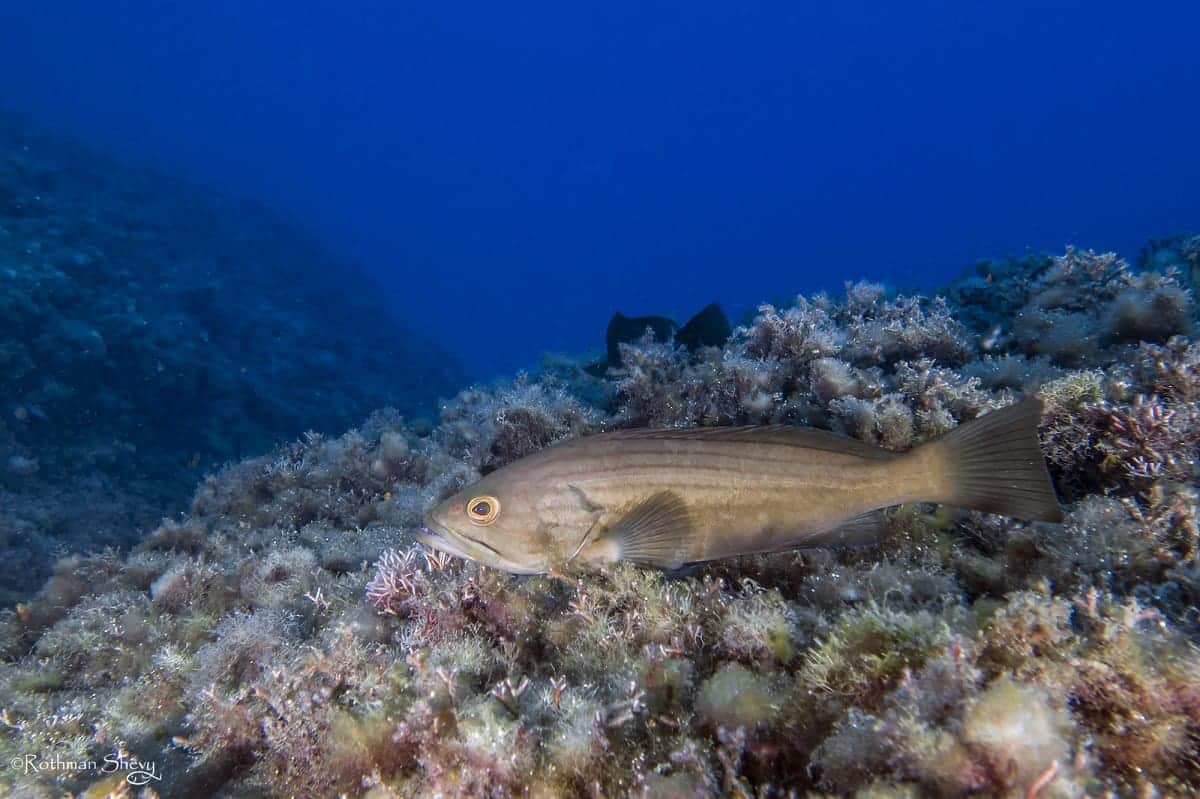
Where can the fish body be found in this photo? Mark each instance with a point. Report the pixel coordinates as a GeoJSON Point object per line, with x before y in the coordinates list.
{"type": "Point", "coordinates": [665, 498]}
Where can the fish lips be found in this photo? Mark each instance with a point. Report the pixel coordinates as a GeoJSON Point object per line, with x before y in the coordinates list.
{"type": "Point", "coordinates": [436, 536]}
{"type": "Point", "coordinates": [436, 540]}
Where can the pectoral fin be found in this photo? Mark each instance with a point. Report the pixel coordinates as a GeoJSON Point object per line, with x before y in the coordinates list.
{"type": "Point", "coordinates": [656, 532]}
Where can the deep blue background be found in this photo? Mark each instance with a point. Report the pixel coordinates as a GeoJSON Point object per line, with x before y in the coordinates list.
{"type": "Point", "coordinates": [517, 172]}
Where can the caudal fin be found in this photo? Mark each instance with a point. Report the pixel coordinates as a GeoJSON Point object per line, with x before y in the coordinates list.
{"type": "Point", "coordinates": [994, 464]}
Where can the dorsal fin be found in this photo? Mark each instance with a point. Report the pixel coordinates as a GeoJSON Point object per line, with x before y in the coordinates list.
{"type": "Point", "coordinates": [772, 434]}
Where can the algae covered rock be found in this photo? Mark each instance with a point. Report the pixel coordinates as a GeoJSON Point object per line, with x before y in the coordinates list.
{"type": "Point", "coordinates": [286, 637]}
{"type": "Point", "coordinates": [150, 331]}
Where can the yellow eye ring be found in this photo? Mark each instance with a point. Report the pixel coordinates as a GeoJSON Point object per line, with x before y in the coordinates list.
{"type": "Point", "coordinates": [483, 510]}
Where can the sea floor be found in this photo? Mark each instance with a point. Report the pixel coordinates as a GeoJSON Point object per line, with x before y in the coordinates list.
{"type": "Point", "coordinates": [286, 637]}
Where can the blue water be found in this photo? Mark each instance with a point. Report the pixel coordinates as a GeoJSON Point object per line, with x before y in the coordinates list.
{"type": "Point", "coordinates": [515, 173]}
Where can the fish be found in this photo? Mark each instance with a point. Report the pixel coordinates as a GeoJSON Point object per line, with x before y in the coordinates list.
{"type": "Point", "coordinates": [669, 498]}
{"type": "Point", "coordinates": [709, 327]}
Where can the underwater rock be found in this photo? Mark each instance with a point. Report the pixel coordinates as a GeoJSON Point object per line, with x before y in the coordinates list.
{"type": "Point", "coordinates": [708, 328]}
{"type": "Point", "coordinates": [131, 355]}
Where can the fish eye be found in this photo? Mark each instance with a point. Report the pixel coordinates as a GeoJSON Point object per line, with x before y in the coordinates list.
{"type": "Point", "coordinates": [483, 510]}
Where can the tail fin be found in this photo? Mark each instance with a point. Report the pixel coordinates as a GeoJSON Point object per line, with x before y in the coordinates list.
{"type": "Point", "coordinates": [995, 464]}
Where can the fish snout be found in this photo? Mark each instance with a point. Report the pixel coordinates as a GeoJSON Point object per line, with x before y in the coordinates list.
{"type": "Point", "coordinates": [430, 537]}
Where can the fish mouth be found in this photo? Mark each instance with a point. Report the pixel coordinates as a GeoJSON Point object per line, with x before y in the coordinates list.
{"type": "Point", "coordinates": [439, 537]}
{"type": "Point", "coordinates": [435, 540]}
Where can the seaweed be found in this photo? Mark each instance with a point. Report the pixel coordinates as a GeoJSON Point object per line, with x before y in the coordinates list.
{"type": "Point", "coordinates": [287, 637]}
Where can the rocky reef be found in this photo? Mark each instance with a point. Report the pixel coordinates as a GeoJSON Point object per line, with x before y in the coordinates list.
{"type": "Point", "coordinates": [286, 638]}
{"type": "Point", "coordinates": [151, 330]}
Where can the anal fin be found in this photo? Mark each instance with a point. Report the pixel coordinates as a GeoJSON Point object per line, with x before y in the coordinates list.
{"type": "Point", "coordinates": [857, 531]}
